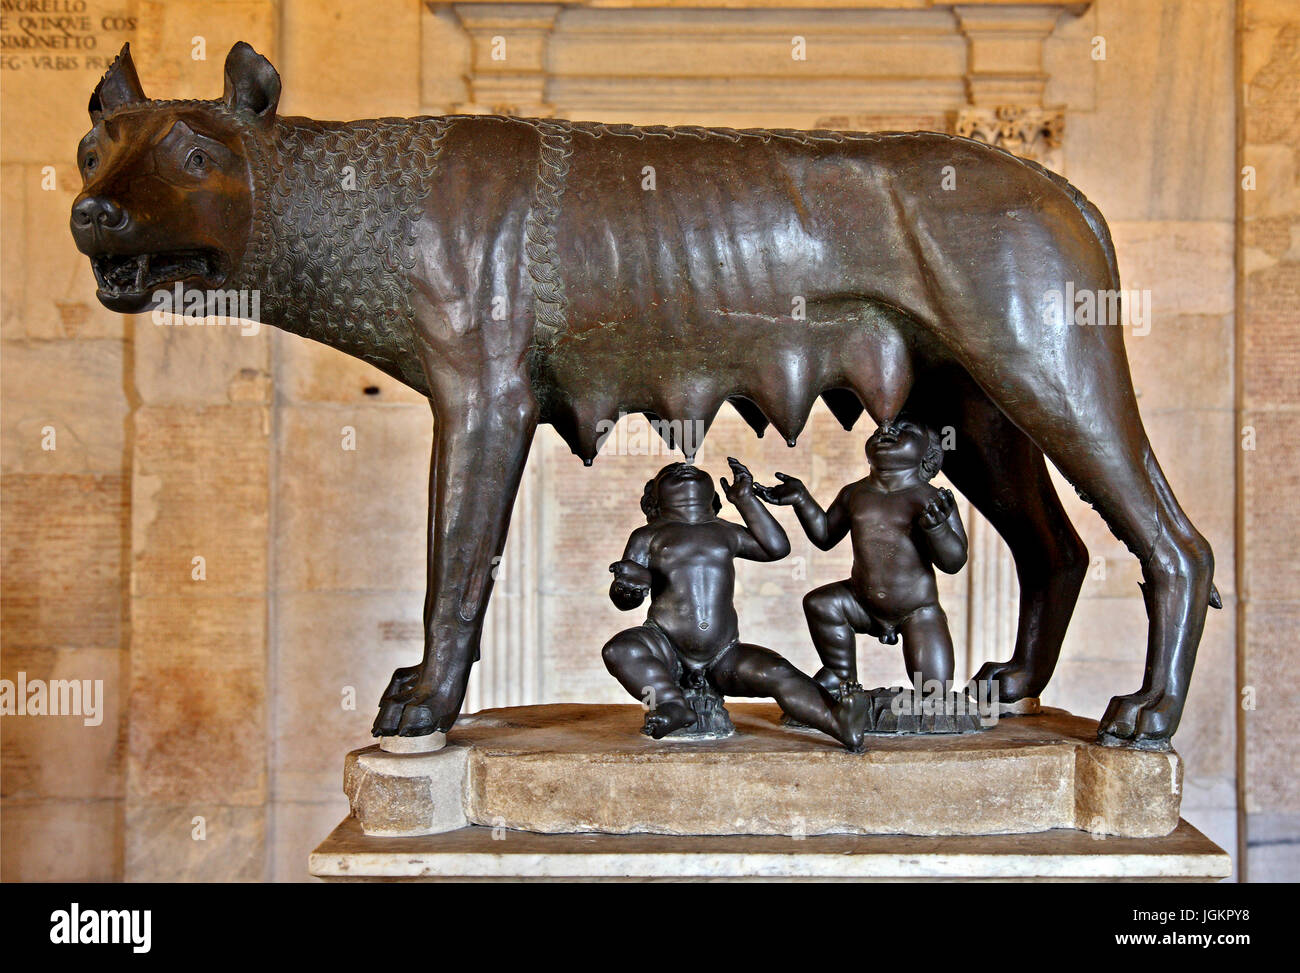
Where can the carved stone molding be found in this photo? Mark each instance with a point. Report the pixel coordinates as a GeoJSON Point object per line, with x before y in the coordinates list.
{"type": "Point", "coordinates": [1004, 63]}
{"type": "Point", "coordinates": [731, 63]}
{"type": "Point", "coordinates": [1032, 133]}
{"type": "Point", "coordinates": [508, 61]}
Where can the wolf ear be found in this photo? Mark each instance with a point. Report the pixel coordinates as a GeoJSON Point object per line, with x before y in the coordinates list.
{"type": "Point", "coordinates": [252, 85]}
{"type": "Point", "coordinates": [119, 86]}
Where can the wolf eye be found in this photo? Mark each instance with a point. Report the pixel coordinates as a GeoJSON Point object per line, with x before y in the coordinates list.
{"type": "Point", "coordinates": [90, 162]}
{"type": "Point", "coordinates": [196, 161]}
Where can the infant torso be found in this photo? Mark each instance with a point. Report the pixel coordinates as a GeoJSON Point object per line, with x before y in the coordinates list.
{"type": "Point", "coordinates": [892, 574]}
{"type": "Point", "coordinates": [692, 582]}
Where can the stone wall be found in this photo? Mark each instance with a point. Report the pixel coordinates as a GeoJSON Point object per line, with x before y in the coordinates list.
{"type": "Point", "coordinates": [230, 700]}
{"type": "Point", "coordinates": [65, 492]}
{"type": "Point", "coordinates": [1269, 402]}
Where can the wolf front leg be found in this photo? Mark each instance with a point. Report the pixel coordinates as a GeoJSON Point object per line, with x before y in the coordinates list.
{"type": "Point", "coordinates": [479, 450]}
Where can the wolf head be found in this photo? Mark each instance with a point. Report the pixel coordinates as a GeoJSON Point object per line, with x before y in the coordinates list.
{"type": "Point", "coordinates": [167, 194]}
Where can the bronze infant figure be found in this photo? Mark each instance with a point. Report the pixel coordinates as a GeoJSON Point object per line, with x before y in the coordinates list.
{"type": "Point", "coordinates": [902, 528]}
{"type": "Point", "coordinates": [684, 559]}
{"type": "Point", "coordinates": [515, 272]}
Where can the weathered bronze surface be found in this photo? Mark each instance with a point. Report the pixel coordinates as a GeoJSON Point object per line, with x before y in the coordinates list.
{"type": "Point", "coordinates": [516, 271]}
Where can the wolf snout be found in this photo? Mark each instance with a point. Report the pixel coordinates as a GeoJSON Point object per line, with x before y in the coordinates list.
{"type": "Point", "coordinates": [92, 215]}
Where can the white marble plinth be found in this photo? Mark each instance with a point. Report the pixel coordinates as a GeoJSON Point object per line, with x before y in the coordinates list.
{"type": "Point", "coordinates": [476, 852]}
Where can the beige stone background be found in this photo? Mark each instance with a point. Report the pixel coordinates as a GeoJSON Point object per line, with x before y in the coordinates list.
{"type": "Point", "coordinates": [226, 714]}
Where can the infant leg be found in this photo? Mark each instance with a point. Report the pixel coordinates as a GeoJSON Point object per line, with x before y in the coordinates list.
{"type": "Point", "coordinates": [834, 619]}
{"type": "Point", "coordinates": [644, 662]}
{"type": "Point", "coordinates": [751, 670]}
{"type": "Point", "coordinates": [927, 645]}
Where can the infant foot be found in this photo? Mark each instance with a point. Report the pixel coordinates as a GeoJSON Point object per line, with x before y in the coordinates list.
{"type": "Point", "coordinates": [667, 717]}
{"type": "Point", "coordinates": [852, 711]}
{"type": "Point", "coordinates": [853, 718]}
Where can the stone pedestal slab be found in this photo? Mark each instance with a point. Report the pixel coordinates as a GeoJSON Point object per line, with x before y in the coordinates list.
{"type": "Point", "coordinates": [574, 768]}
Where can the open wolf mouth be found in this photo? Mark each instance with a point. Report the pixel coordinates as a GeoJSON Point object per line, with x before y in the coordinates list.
{"type": "Point", "coordinates": [131, 275]}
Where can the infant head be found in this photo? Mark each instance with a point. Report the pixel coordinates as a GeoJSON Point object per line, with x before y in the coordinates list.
{"type": "Point", "coordinates": [678, 485]}
{"type": "Point", "coordinates": [905, 444]}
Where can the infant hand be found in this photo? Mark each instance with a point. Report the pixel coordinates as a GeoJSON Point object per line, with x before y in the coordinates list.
{"type": "Point", "coordinates": [937, 510]}
{"type": "Point", "coordinates": [630, 575]}
{"type": "Point", "coordinates": [786, 493]}
{"type": "Point", "coordinates": [744, 485]}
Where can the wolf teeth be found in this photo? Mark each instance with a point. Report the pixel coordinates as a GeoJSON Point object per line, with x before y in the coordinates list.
{"type": "Point", "coordinates": [118, 274]}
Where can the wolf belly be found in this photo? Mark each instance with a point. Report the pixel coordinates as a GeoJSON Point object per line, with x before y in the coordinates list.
{"type": "Point", "coordinates": [686, 255]}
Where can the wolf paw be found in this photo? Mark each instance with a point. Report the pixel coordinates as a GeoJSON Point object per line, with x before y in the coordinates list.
{"type": "Point", "coordinates": [408, 711]}
{"type": "Point", "coordinates": [1014, 682]}
{"type": "Point", "coordinates": [1145, 719]}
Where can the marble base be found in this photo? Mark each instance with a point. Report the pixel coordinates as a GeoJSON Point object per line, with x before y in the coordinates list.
{"type": "Point", "coordinates": [585, 768]}
{"type": "Point", "coordinates": [481, 853]}
{"type": "Point", "coordinates": [429, 743]}
{"type": "Point", "coordinates": [1028, 706]}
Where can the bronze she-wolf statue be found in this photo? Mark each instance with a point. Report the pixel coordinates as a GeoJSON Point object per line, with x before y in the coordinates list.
{"type": "Point", "coordinates": [522, 271]}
